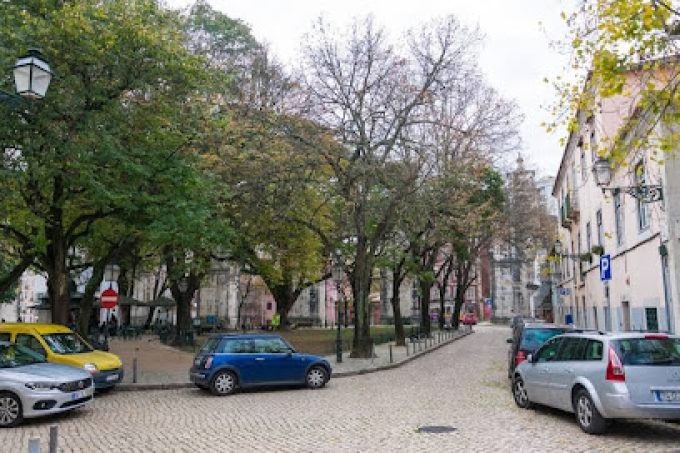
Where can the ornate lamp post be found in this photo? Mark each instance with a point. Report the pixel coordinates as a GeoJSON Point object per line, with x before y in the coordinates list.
{"type": "Point", "coordinates": [32, 76]}
{"type": "Point", "coordinates": [338, 273]}
{"type": "Point", "coordinates": [646, 193]}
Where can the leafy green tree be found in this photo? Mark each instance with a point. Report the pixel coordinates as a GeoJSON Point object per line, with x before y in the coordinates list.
{"type": "Point", "coordinates": [106, 139]}
{"type": "Point", "coordinates": [622, 49]}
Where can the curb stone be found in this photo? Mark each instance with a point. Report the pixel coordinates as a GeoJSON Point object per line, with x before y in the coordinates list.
{"type": "Point", "coordinates": [344, 374]}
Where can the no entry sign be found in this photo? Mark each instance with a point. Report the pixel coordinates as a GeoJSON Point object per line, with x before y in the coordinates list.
{"type": "Point", "coordinates": [108, 298]}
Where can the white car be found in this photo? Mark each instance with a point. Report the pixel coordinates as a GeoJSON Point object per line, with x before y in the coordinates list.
{"type": "Point", "coordinates": [602, 377]}
{"type": "Point", "coordinates": [31, 387]}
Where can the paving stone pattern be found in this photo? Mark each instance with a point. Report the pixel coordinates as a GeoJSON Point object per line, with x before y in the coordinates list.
{"type": "Point", "coordinates": [461, 385]}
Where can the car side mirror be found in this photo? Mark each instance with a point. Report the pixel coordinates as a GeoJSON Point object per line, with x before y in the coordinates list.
{"type": "Point", "coordinates": [509, 341]}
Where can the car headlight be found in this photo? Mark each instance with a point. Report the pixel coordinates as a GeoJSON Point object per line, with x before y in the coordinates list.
{"type": "Point", "coordinates": [90, 367]}
{"type": "Point", "coordinates": [40, 385]}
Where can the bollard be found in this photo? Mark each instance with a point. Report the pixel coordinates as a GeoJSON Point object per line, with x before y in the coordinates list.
{"type": "Point", "coordinates": [34, 446]}
{"type": "Point", "coordinates": [54, 438]}
{"type": "Point", "coordinates": [406, 343]}
{"type": "Point", "coordinates": [414, 347]}
{"type": "Point", "coordinates": [391, 359]}
{"type": "Point", "coordinates": [134, 367]}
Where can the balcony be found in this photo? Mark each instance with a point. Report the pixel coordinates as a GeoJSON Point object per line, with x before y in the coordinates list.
{"type": "Point", "coordinates": [573, 211]}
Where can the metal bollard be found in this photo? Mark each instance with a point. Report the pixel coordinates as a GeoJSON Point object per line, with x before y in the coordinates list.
{"type": "Point", "coordinates": [34, 446]}
{"type": "Point", "coordinates": [406, 343]}
{"type": "Point", "coordinates": [54, 438]}
{"type": "Point", "coordinates": [391, 358]}
{"type": "Point", "coordinates": [134, 367]}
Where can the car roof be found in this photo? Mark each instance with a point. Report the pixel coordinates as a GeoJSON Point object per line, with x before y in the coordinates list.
{"type": "Point", "coordinates": [545, 325]}
{"type": "Point", "coordinates": [19, 327]}
{"type": "Point", "coordinates": [245, 336]}
{"type": "Point", "coordinates": [617, 335]}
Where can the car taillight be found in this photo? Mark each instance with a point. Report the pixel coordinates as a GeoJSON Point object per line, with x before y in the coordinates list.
{"type": "Point", "coordinates": [615, 370]}
{"type": "Point", "coordinates": [208, 362]}
{"type": "Point", "coordinates": [520, 357]}
{"type": "Point", "coordinates": [656, 336]}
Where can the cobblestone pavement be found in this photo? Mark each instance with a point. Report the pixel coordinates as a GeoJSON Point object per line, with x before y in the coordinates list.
{"type": "Point", "coordinates": [462, 385]}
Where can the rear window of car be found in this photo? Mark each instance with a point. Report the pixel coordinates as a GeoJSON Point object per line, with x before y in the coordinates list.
{"type": "Point", "coordinates": [533, 338]}
{"type": "Point", "coordinates": [209, 345]}
{"type": "Point", "coordinates": [648, 351]}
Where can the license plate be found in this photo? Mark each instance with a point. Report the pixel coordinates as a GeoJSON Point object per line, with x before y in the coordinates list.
{"type": "Point", "coordinates": [668, 395]}
{"type": "Point", "coordinates": [76, 395]}
{"type": "Point", "coordinates": [112, 377]}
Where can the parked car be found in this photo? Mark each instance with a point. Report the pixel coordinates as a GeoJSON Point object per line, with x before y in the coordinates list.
{"type": "Point", "coordinates": [228, 362]}
{"type": "Point", "coordinates": [59, 344]}
{"type": "Point", "coordinates": [470, 319]}
{"type": "Point", "coordinates": [527, 337]}
{"type": "Point", "coordinates": [601, 376]}
{"type": "Point", "coordinates": [31, 387]}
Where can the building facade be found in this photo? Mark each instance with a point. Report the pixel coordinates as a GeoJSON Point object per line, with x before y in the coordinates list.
{"type": "Point", "coordinates": [640, 238]}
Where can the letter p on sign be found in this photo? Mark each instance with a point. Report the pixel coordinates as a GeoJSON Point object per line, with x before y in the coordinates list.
{"type": "Point", "coordinates": [605, 268]}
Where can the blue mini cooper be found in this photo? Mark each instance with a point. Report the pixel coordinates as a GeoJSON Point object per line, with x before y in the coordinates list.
{"type": "Point", "coordinates": [228, 362]}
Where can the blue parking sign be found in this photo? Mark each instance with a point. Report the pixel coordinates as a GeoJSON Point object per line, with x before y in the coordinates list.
{"type": "Point", "coordinates": [605, 268]}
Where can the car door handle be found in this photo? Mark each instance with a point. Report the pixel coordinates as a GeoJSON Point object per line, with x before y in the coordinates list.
{"type": "Point", "coordinates": [259, 359]}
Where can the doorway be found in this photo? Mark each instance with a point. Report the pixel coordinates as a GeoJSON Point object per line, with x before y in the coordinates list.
{"type": "Point", "coordinates": [625, 307]}
{"type": "Point", "coordinates": [652, 318]}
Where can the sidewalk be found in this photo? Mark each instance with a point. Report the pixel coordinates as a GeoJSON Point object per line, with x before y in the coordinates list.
{"type": "Point", "coordinates": [163, 367]}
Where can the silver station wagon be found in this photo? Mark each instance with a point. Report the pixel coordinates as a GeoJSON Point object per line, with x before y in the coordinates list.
{"type": "Point", "coordinates": [603, 376]}
{"type": "Point", "coordinates": [31, 387]}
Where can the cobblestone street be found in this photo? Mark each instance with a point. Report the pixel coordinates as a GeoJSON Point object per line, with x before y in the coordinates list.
{"type": "Point", "coordinates": [461, 385]}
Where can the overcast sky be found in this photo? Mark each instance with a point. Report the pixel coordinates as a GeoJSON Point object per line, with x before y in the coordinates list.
{"type": "Point", "coordinates": [515, 58]}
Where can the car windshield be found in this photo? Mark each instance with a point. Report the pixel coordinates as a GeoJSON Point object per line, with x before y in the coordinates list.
{"type": "Point", "coordinates": [648, 351]}
{"type": "Point", "coordinates": [13, 355]}
{"type": "Point", "coordinates": [66, 343]}
{"type": "Point", "coordinates": [532, 338]}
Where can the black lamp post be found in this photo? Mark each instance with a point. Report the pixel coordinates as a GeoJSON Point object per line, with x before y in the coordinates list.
{"type": "Point", "coordinates": [32, 76]}
{"type": "Point", "coordinates": [338, 273]}
{"type": "Point", "coordinates": [646, 193]}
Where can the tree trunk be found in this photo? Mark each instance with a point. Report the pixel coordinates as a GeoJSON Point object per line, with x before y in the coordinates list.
{"type": "Point", "coordinates": [87, 302]}
{"type": "Point", "coordinates": [442, 295]}
{"type": "Point", "coordinates": [362, 344]}
{"type": "Point", "coordinates": [149, 318]}
{"type": "Point", "coordinates": [285, 294]}
{"type": "Point", "coordinates": [57, 283]}
{"type": "Point", "coordinates": [11, 280]}
{"type": "Point", "coordinates": [425, 288]}
{"type": "Point", "coordinates": [400, 337]}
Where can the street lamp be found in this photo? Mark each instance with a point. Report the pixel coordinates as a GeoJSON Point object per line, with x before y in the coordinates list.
{"type": "Point", "coordinates": [338, 273]}
{"type": "Point", "coordinates": [32, 76]}
{"type": "Point", "coordinates": [646, 193]}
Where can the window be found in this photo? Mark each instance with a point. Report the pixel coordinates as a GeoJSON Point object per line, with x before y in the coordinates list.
{"type": "Point", "coordinates": [271, 346]}
{"type": "Point", "coordinates": [533, 338]}
{"type": "Point", "coordinates": [548, 353]}
{"type": "Point", "coordinates": [589, 245]}
{"type": "Point", "coordinates": [594, 350]}
{"type": "Point", "coordinates": [30, 342]}
{"type": "Point", "coordinates": [642, 207]}
{"type": "Point", "coordinates": [648, 351]}
{"type": "Point", "coordinates": [600, 228]}
{"type": "Point", "coordinates": [572, 349]}
{"type": "Point", "coordinates": [582, 152]}
{"type": "Point", "coordinates": [593, 143]}
{"type": "Point", "coordinates": [269, 306]}
{"type": "Point", "coordinates": [5, 337]}
{"type": "Point", "coordinates": [235, 346]}
{"type": "Point", "coordinates": [313, 301]}
{"type": "Point", "coordinates": [618, 217]}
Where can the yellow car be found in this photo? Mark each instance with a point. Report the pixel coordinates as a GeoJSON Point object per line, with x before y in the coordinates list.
{"type": "Point", "coordinates": [59, 344]}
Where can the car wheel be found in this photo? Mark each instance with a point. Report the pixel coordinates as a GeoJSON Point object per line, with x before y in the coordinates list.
{"type": "Point", "coordinates": [316, 377]}
{"type": "Point", "coordinates": [11, 413]}
{"type": "Point", "coordinates": [224, 383]}
{"type": "Point", "coordinates": [519, 392]}
{"type": "Point", "coordinates": [587, 415]}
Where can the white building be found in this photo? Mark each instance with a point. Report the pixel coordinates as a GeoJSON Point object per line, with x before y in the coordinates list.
{"type": "Point", "coordinates": [635, 234]}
